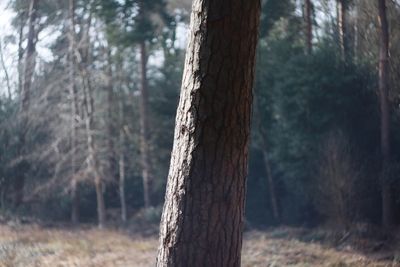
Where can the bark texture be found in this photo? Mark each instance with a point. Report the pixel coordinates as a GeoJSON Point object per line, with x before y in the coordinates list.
{"type": "Point", "coordinates": [203, 213]}
{"type": "Point", "coordinates": [387, 206]}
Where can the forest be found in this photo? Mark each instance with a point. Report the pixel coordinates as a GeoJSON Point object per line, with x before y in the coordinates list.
{"type": "Point", "coordinates": [283, 118]}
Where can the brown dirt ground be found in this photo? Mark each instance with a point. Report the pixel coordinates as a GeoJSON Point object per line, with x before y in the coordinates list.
{"type": "Point", "coordinates": [31, 246]}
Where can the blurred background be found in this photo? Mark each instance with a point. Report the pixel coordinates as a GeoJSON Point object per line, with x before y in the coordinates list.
{"type": "Point", "coordinates": [89, 90]}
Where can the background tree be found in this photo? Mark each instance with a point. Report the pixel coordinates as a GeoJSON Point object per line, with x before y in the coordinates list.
{"type": "Point", "coordinates": [387, 213]}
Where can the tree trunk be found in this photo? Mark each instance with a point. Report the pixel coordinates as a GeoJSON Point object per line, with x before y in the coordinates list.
{"type": "Point", "coordinates": [101, 207]}
{"type": "Point", "coordinates": [202, 221]}
{"type": "Point", "coordinates": [30, 58]}
{"type": "Point", "coordinates": [29, 69]}
{"type": "Point", "coordinates": [89, 111]}
{"type": "Point", "coordinates": [144, 128]}
{"type": "Point", "coordinates": [92, 156]}
{"type": "Point", "coordinates": [356, 32]}
{"type": "Point", "coordinates": [264, 148]}
{"type": "Point", "coordinates": [110, 105]}
{"type": "Point", "coordinates": [270, 179]}
{"type": "Point", "coordinates": [75, 202]}
{"type": "Point", "coordinates": [309, 34]}
{"type": "Point", "coordinates": [387, 197]}
{"type": "Point", "coordinates": [4, 67]}
{"type": "Point", "coordinates": [74, 113]}
{"type": "Point", "coordinates": [122, 166]}
{"type": "Point", "coordinates": [341, 21]}
{"type": "Point", "coordinates": [20, 53]}
{"type": "Point", "coordinates": [121, 151]}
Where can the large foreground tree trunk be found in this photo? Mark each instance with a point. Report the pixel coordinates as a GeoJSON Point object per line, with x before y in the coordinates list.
{"type": "Point", "coordinates": [387, 206]}
{"type": "Point", "coordinates": [203, 214]}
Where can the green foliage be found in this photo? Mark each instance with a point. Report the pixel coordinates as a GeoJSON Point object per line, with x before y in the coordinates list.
{"type": "Point", "coordinates": [133, 21]}
{"type": "Point", "coordinates": [302, 98]}
{"type": "Point", "coordinates": [273, 11]}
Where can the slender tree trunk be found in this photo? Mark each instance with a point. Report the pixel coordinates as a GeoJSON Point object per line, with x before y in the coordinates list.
{"type": "Point", "coordinates": [387, 197]}
{"type": "Point", "coordinates": [30, 58]}
{"type": "Point", "coordinates": [121, 141]}
{"type": "Point", "coordinates": [202, 221]}
{"type": "Point", "coordinates": [356, 32]}
{"type": "Point", "coordinates": [20, 53]}
{"type": "Point", "coordinates": [309, 27]}
{"type": "Point", "coordinates": [74, 114]}
{"type": "Point", "coordinates": [101, 207]}
{"type": "Point", "coordinates": [4, 67]}
{"type": "Point", "coordinates": [29, 69]}
{"type": "Point", "coordinates": [89, 111]}
{"type": "Point", "coordinates": [92, 160]}
{"type": "Point", "coordinates": [270, 179]}
{"type": "Point", "coordinates": [341, 22]}
{"type": "Point", "coordinates": [92, 156]}
{"type": "Point", "coordinates": [122, 163]}
{"type": "Point", "coordinates": [111, 126]}
{"type": "Point", "coordinates": [75, 202]}
{"type": "Point", "coordinates": [144, 128]}
{"type": "Point", "coordinates": [264, 148]}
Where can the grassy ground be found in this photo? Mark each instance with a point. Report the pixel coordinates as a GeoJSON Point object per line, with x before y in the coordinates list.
{"type": "Point", "coordinates": [26, 246]}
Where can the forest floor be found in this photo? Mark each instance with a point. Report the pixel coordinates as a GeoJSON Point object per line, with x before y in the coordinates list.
{"type": "Point", "coordinates": [33, 245]}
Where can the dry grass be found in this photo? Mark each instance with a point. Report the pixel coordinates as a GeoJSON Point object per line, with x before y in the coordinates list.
{"type": "Point", "coordinates": [265, 249]}
{"type": "Point", "coordinates": [28, 246]}
{"type": "Point", "coordinates": [34, 246]}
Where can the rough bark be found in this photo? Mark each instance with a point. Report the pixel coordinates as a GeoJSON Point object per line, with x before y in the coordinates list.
{"type": "Point", "coordinates": [144, 128]}
{"type": "Point", "coordinates": [309, 33]}
{"type": "Point", "coordinates": [387, 197]}
{"type": "Point", "coordinates": [74, 113]}
{"type": "Point", "coordinates": [203, 214]}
